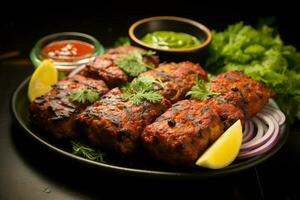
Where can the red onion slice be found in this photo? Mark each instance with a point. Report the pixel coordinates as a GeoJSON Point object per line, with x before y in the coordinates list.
{"type": "Point", "coordinates": [276, 111]}
{"type": "Point", "coordinates": [268, 131]}
{"type": "Point", "coordinates": [265, 147]}
{"type": "Point", "coordinates": [274, 114]}
{"type": "Point", "coordinates": [259, 138]}
{"type": "Point", "coordinates": [250, 131]}
{"type": "Point", "coordinates": [246, 129]}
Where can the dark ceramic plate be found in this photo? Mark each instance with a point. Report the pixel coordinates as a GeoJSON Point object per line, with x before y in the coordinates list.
{"type": "Point", "coordinates": [136, 166]}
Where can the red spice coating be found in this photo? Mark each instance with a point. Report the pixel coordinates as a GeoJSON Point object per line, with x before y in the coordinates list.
{"type": "Point", "coordinates": [116, 124]}
{"type": "Point", "coordinates": [242, 91]}
{"type": "Point", "coordinates": [182, 133]}
{"type": "Point", "coordinates": [105, 68]}
{"type": "Point", "coordinates": [56, 113]}
{"type": "Point", "coordinates": [178, 78]}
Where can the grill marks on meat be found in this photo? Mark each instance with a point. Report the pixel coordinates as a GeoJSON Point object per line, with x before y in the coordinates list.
{"type": "Point", "coordinates": [105, 69]}
{"type": "Point", "coordinates": [175, 135]}
{"type": "Point", "coordinates": [116, 124]}
{"type": "Point", "coordinates": [183, 132]}
{"type": "Point", "coordinates": [178, 78]}
{"type": "Point", "coordinates": [56, 113]}
{"type": "Point", "coordinates": [228, 112]}
{"type": "Point", "coordinates": [242, 91]}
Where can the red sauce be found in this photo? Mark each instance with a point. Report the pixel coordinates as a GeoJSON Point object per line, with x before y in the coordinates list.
{"type": "Point", "coordinates": [67, 49]}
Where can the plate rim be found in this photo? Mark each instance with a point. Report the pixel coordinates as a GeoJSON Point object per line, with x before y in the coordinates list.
{"type": "Point", "coordinates": [247, 164]}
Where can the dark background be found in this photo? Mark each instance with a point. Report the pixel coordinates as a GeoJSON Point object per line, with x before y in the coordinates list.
{"type": "Point", "coordinates": [21, 28]}
{"type": "Point", "coordinates": [28, 171]}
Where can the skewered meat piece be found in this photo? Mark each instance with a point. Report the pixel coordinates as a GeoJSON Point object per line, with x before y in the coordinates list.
{"type": "Point", "coordinates": [106, 69]}
{"type": "Point", "coordinates": [228, 112]}
{"type": "Point", "coordinates": [242, 91]}
{"type": "Point", "coordinates": [178, 78]}
{"type": "Point", "coordinates": [183, 132]}
{"type": "Point", "coordinates": [116, 124]}
{"type": "Point", "coordinates": [56, 113]}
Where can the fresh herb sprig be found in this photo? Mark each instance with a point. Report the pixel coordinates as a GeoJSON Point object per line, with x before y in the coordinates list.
{"type": "Point", "coordinates": [84, 95]}
{"type": "Point", "coordinates": [201, 90]}
{"type": "Point", "coordinates": [122, 41]}
{"type": "Point", "coordinates": [142, 89]}
{"type": "Point", "coordinates": [85, 151]}
{"type": "Point", "coordinates": [133, 63]}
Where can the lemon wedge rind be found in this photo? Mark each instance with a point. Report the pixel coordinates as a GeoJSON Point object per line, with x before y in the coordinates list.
{"type": "Point", "coordinates": [224, 150]}
{"type": "Point", "coordinates": [44, 76]}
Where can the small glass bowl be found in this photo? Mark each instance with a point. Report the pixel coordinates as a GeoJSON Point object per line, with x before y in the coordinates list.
{"type": "Point", "coordinates": [66, 64]}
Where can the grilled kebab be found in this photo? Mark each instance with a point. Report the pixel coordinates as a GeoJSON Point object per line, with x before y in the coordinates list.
{"type": "Point", "coordinates": [184, 131]}
{"type": "Point", "coordinates": [105, 67]}
{"type": "Point", "coordinates": [178, 78]}
{"type": "Point", "coordinates": [116, 124]}
{"type": "Point", "coordinates": [56, 113]}
{"type": "Point", "coordinates": [242, 91]}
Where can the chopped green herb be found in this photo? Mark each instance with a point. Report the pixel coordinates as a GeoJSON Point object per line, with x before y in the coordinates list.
{"type": "Point", "coordinates": [133, 63]}
{"type": "Point", "coordinates": [84, 95]}
{"type": "Point", "coordinates": [201, 90]}
{"type": "Point", "coordinates": [122, 41]}
{"type": "Point", "coordinates": [142, 89]}
{"type": "Point", "coordinates": [85, 151]}
{"type": "Point", "coordinates": [148, 53]}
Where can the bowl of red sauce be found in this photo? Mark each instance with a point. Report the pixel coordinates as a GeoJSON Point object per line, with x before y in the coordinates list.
{"type": "Point", "coordinates": [68, 50]}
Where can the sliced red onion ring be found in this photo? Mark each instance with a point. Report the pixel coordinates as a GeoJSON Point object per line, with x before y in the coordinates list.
{"type": "Point", "coordinates": [250, 131]}
{"type": "Point", "coordinates": [266, 146]}
{"type": "Point", "coordinates": [265, 127]}
{"type": "Point", "coordinates": [277, 112]}
{"type": "Point", "coordinates": [246, 129]}
{"type": "Point", "coordinates": [274, 114]}
{"type": "Point", "coordinates": [268, 132]}
{"type": "Point", "coordinates": [76, 71]}
{"type": "Point", "coordinates": [259, 138]}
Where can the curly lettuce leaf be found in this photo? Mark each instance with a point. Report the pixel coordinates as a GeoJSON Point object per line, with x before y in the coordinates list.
{"type": "Point", "coordinates": [261, 54]}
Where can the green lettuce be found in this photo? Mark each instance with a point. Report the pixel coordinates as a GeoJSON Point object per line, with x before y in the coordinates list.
{"type": "Point", "coordinates": [261, 54]}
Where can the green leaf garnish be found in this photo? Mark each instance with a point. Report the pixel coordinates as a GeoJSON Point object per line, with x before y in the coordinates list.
{"type": "Point", "coordinates": [85, 151]}
{"type": "Point", "coordinates": [133, 64]}
{"type": "Point", "coordinates": [261, 54]}
{"type": "Point", "coordinates": [122, 41]}
{"type": "Point", "coordinates": [148, 53]}
{"type": "Point", "coordinates": [84, 95]}
{"type": "Point", "coordinates": [201, 90]}
{"type": "Point", "coordinates": [142, 89]}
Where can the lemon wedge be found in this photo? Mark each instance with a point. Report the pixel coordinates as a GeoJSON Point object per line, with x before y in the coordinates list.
{"type": "Point", "coordinates": [41, 80]}
{"type": "Point", "coordinates": [224, 150]}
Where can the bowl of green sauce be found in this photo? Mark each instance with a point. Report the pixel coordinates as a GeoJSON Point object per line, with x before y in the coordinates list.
{"type": "Point", "coordinates": [173, 38]}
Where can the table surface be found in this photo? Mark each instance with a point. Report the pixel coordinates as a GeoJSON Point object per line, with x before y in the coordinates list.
{"type": "Point", "coordinates": [28, 171]}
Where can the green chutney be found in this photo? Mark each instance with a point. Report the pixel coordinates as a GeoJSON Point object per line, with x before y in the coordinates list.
{"type": "Point", "coordinates": [170, 40]}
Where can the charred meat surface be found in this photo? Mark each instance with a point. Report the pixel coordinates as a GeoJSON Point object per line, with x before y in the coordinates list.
{"type": "Point", "coordinates": [183, 132]}
{"type": "Point", "coordinates": [116, 124]}
{"type": "Point", "coordinates": [242, 91]}
{"type": "Point", "coordinates": [178, 78]}
{"type": "Point", "coordinates": [105, 68]}
{"type": "Point", "coordinates": [228, 112]}
{"type": "Point", "coordinates": [56, 112]}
